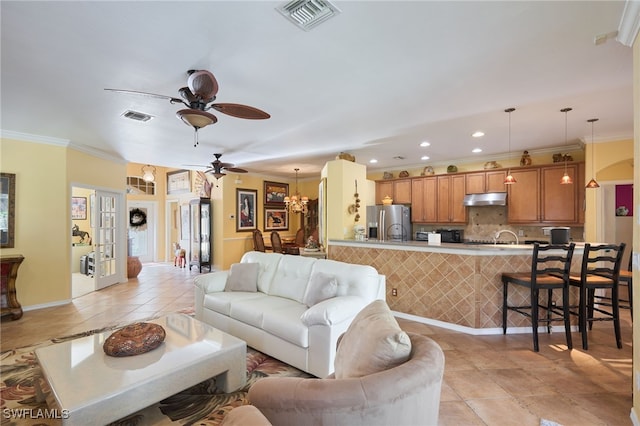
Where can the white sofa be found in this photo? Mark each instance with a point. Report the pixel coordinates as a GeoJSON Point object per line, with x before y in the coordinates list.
{"type": "Point", "coordinates": [274, 319]}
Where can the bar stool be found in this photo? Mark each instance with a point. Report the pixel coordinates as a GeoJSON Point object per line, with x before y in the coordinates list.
{"type": "Point", "coordinates": [550, 268]}
{"type": "Point", "coordinates": [626, 278]}
{"type": "Point", "coordinates": [600, 271]}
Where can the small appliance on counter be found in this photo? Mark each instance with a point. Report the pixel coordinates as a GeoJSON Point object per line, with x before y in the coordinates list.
{"type": "Point", "coordinates": [560, 235]}
{"type": "Point", "coordinates": [451, 235]}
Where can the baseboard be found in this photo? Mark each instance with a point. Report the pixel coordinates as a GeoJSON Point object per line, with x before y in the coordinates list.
{"type": "Point", "coordinates": [479, 331]}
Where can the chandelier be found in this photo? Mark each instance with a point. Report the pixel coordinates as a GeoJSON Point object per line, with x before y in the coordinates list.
{"type": "Point", "coordinates": [296, 203]}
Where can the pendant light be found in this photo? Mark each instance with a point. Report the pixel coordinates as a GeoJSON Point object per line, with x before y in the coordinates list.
{"type": "Point", "coordinates": [509, 180]}
{"type": "Point", "coordinates": [566, 179]}
{"type": "Point", "coordinates": [592, 183]}
{"type": "Point", "coordinates": [148, 173]}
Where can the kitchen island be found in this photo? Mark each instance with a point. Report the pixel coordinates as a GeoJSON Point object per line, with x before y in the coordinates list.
{"type": "Point", "coordinates": [451, 285]}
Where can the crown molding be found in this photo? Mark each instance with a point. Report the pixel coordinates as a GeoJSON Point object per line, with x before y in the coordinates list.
{"type": "Point", "coordinates": [65, 143]}
{"type": "Point", "coordinates": [629, 23]}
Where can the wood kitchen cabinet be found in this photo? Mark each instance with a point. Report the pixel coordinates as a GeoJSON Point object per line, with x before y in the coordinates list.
{"type": "Point", "coordinates": [537, 197]}
{"type": "Point", "coordinates": [523, 197]}
{"type": "Point", "coordinates": [423, 200]}
{"type": "Point", "coordinates": [486, 181]}
{"type": "Point", "coordinates": [451, 192]}
{"type": "Point", "coordinates": [398, 189]}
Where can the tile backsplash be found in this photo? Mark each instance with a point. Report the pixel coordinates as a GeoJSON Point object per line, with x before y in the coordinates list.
{"type": "Point", "coordinates": [484, 222]}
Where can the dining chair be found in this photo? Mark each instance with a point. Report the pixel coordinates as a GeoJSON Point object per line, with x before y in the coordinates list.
{"type": "Point", "coordinates": [550, 268]}
{"type": "Point", "coordinates": [276, 242]}
{"type": "Point", "coordinates": [600, 270]}
{"type": "Point", "coordinates": [300, 237]}
{"type": "Point", "coordinates": [258, 241]}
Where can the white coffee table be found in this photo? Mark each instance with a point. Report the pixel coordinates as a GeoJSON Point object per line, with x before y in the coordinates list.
{"type": "Point", "coordinates": [90, 387]}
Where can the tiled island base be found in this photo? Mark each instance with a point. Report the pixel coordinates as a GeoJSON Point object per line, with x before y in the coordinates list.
{"type": "Point", "coordinates": [452, 283]}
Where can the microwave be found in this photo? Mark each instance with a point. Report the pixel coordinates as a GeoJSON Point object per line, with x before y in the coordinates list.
{"type": "Point", "coordinates": [451, 235]}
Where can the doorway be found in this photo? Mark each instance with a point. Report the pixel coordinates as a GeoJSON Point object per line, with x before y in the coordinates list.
{"type": "Point", "coordinates": [142, 230]}
{"type": "Point", "coordinates": [617, 222]}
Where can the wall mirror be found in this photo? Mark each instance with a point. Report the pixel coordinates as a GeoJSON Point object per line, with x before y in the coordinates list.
{"type": "Point", "coordinates": [7, 209]}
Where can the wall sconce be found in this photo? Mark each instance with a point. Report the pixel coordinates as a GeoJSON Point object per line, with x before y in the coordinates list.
{"type": "Point", "coordinates": [148, 173]}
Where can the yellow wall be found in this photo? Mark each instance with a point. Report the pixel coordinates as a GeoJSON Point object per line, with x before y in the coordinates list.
{"type": "Point", "coordinates": [341, 176]}
{"type": "Point", "coordinates": [44, 176]}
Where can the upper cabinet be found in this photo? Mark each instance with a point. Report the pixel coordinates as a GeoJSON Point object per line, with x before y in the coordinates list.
{"type": "Point", "coordinates": [423, 200]}
{"type": "Point", "coordinates": [398, 189]}
{"type": "Point", "coordinates": [451, 192]}
{"type": "Point", "coordinates": [486, 181]}
{"type": "Point", "coordinates": [538, 197]}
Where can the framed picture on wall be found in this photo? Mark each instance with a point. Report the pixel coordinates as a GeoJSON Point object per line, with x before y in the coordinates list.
{"type": "Point", "coordinates": [79, 208]}
{"type": "Point", "coordinates": [178, 182]}
{"type": "Point", "coordinates": [7, 209]}
{"type": "Point", "coordinates": [274, 192]}
{"type": "Point", "coordinates": [276, 219]}
{"type": "Point", "coordinates": [246, 218]}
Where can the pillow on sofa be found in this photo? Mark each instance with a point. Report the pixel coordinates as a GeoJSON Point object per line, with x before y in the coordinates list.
{"type": "Point", "coordinates": [321, 287]}
{"type": "Point", "coordinates": [243, 277]}
{"type": "Point", "coordinates": [373, 342]}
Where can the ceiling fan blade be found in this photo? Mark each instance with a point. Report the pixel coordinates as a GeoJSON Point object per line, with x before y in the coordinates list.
{"type": "Point", "coordinates": [203, 84]}
{"type": "Point", "coordinates": [241, 111]}
{"type": "Point", "coordinates": [151, 95]}
{"type": "Point", "coordinates": [235, 170]}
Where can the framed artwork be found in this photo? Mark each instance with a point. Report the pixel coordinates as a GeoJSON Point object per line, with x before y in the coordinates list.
{"type": "Point", "coordinates": [246, 209]}
{"type": "Point", "coordinates": [274, 192]}
{"type": "Point", "coordinates": [276, 219]}
{"type": "Point", "coordinates": [178, 182]}
{"type": "Point", "coordinates": [79, 208]}
{"type": "Point", "coordinates": [184, 222]}
{"type": "Point", "coordinates": [7, 209]}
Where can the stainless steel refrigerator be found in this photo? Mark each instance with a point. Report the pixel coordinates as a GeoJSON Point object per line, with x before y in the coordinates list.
{"type": "Point", "coordinates": [392, 223]}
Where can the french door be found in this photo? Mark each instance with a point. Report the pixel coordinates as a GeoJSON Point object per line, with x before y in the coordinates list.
{"type": "Point", "coordinates": [108, 242]}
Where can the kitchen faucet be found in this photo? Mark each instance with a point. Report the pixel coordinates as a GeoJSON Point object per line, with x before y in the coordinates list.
{"type": "Point", "coordinates": [495, 238]}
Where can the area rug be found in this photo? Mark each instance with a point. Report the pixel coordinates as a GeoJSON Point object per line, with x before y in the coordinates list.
{"type": "Point", "coordinates": [203, 404]}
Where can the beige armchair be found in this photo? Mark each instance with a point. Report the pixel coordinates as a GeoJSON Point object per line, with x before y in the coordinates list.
{"type": "Point", "coordinates": [408, 394]}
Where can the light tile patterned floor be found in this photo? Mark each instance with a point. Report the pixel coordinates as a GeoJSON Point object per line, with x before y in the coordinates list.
{"type": "Point", "coordinates": [489, 380]}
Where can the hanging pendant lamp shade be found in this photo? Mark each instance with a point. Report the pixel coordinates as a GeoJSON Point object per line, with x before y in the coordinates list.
{"type": "Point", "coordinates": [509, 180]}
{"type": "Point", "coordinates": [148, 173]}
{"type": "Point", "coordinates": [566, 179]}
{"type": "Point", "coordinates": [592, 183]}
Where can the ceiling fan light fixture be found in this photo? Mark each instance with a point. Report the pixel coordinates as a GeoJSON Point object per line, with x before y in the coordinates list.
{"type": "Point", "coordinates": [196, 118]}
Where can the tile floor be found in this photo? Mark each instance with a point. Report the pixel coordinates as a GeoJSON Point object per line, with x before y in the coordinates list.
{"type": "Point", "coordinates": [489, 380]}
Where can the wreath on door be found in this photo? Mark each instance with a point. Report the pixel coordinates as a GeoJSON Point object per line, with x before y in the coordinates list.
{"type": "Point", "coordinates": [137, 218]}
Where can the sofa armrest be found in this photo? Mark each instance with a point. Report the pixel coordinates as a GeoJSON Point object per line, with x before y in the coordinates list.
{"type": "Point", "coordinates": [333, 311]}
{"type": "Point", "coordinates": [211, 283]}
{"type": "Point", "coordinates": [207, 283]}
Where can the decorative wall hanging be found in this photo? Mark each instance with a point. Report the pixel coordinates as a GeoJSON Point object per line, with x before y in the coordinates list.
{"type": "Point", "coordinates": [137, 218]}
{"type": "Point", "coordinates": [275, 192]}
{"type": "Point", "coordinates": [79, 208]}
{"type": "Point", "coordinates": [246, 209]}
{"type": "Point", "coordinates": [7, 209]}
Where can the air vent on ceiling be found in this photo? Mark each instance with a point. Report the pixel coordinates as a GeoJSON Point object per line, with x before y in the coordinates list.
{"type": "Point", "coordinates": [137, 116]}
{"type": "Point", "coordinates": [306, 14]}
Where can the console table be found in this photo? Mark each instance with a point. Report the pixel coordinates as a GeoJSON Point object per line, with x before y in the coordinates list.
{"type": "Point", "coordinates": [8, 275]}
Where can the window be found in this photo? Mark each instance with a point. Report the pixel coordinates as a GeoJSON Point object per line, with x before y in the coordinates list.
{"type": "Point", "coordinates": [137, 185]}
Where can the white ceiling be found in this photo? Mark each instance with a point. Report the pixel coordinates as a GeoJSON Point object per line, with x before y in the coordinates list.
{"type": "Point", "coordinates": [375, 81]}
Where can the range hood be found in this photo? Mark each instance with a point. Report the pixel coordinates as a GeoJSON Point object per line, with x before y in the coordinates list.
{"type": "Point", "coordinates": [488, 199]}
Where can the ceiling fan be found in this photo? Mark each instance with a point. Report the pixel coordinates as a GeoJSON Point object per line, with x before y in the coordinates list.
{"type": "Point", "coordinates": [198, 97]}
{"type": "Point", "coordinates": [218, 168]}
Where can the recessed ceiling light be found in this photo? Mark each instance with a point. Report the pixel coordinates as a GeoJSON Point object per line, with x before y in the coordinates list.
{"type": "Point", "coordinates": [425, 143]}
{"type": "Point", "coordinates": [424, 157]}
{"type": "Point", "coordinates": [478, 134]}
{"type": "Point", "coordinates": [476, 150]}
{"type": "Point", "coordinates": [373, 161]}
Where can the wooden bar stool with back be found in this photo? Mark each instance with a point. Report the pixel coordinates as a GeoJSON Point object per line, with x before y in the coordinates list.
{"type": "Point", "coordinates": [550, 268]}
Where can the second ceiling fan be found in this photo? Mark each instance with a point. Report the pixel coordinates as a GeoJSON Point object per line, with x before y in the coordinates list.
{"type": "Point", "coordinates": [199, 96]}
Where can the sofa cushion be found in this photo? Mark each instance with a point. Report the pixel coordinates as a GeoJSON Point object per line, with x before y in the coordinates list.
{"type": "Point", "coordinates": [321, 287]}
{"type": "Point", "coordinates": [221, 302]}
{"type": "Point", "coordinates": [285, 323]}
{"type": "Point", "coordinates": [243, 277]}
{"type": "Point", "coordinates": [252, 311]}
{"type": "Point", "coordinates": [268, 266]}
{"type": "Point", "coordinates": [373, 342]}
{"type": "Point", "coordinates": [292, 277]}
{"type": "Point", "coordinates": [353, 280]}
